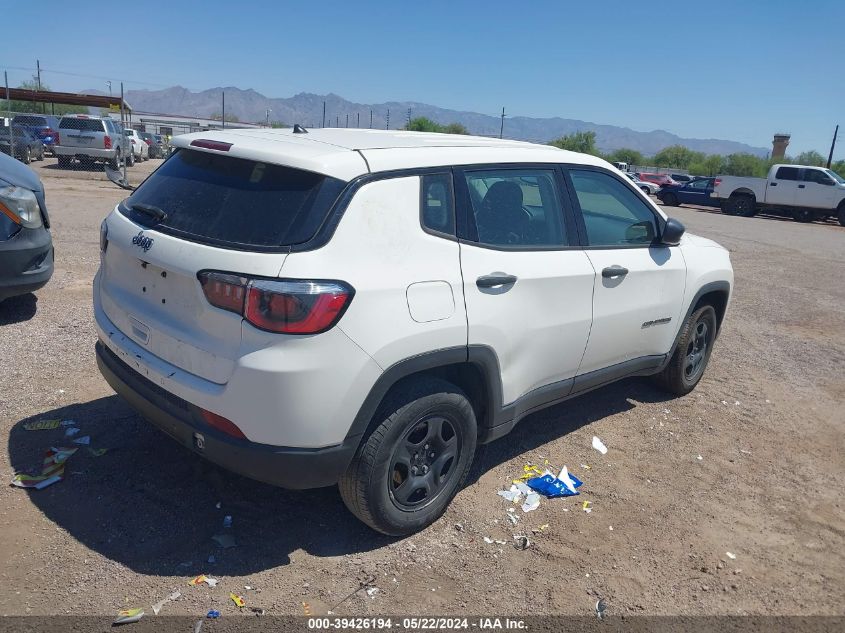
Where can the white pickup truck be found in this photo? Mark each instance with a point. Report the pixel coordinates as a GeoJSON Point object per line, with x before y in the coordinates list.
{"type": "Point", "coordinates": [803, 192]}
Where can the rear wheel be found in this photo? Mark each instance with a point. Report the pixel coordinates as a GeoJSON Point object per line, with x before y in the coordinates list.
{"type": "Point", "coordinates": [744, 206]}
{"type": "Point", "coordinates": [802, 215]}
{"type": "Point", "coordinates": [40, 155]}
{"type": "Point", "coordinates": [841, 214]}
{"type": "Point", "coordinates": [670, 199]}
{"type": "Point", "coordinates": [413, 463]}
{"type": "Point", "coordinates": [692, 353]}
{"type": "Point", "coordinates": [114, 163]}
{"type": "Point", "coordinates": [130, 159]}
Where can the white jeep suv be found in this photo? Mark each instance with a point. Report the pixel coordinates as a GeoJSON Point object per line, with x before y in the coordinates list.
{"type": "Point", "coordinates": [365, 307]}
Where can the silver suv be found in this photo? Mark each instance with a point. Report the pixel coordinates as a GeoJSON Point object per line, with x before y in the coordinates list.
{"type": "Point", "coordinates": [92, 138]}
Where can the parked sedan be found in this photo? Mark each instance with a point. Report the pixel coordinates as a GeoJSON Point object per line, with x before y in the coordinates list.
{"type": "Point", "coordinates": [44, 126]}
{"type": "Point", "coordinates": [649, 188]}
{"type": "Point", "coordinates": [140, 149]}
{"type": "Point", "coordinates": [661, 180]}
{"type": "Point", "coordinates": [26, 247]}
{"type": "Point", "coordinates": [28, 147]}
{"type": "Point", "coordinates": [694, 192]}
{"type": "Point", "coordinates": [156, 150]}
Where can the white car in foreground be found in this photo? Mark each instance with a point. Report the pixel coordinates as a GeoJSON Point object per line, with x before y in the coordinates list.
{"type": "Point", "coordinates": [140, 149]}
{"type": "Point", "coordinates": [365, 307]}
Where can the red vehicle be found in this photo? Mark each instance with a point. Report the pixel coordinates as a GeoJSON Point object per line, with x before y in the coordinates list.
{"type": "Point", "coordinates": [663, 180]}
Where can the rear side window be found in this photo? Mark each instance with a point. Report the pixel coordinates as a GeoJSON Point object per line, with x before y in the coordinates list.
{"type": "Point", "coordinates": [816, 175]}
{"type": "Point", "coordinates": [787, 173]}
{"type": "Point", "coordinates": [517, 208]}
{"type": "Point", "coordinates": [438, 211]}
{"type": "Point", "coordinates": [82, 125]}
{"type": "Point", "coordinates": [235, 202]}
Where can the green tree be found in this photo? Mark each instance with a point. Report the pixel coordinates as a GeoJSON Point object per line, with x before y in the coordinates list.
{"type": "Point", "coordinates": [584, 142]}
{"type": "Point", "coordinates": [677, 156]}
{"type": "Point", "coordinates": [743, 164]}
{"type": "Point", "coordinates": [812, 158]}
{"type": "Point", "coordinates": [626, 155]}
{"type": "Point", "coordinates": [39, 108]}
{"type": "Point", "coordinates": [455, 128]}
{"type": "Point", "coordinates": [423, 124]}
{"type": "Point", "coordinates": [839, 167]}
{"type": "Point", "coordinates": [711, 165]}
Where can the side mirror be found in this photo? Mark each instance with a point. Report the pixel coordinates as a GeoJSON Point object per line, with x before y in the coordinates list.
{"type": "Point", "coordinates": [672, 232]}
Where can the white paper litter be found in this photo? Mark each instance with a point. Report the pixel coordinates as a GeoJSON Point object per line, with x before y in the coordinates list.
{"type": "Point", "coordinates": [564, 477]}
{"type": "Point", "coordinates": [599, 445]}
{"type": "Point", "coordinates": [532, 502]}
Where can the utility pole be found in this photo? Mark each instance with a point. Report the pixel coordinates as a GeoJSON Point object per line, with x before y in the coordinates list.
{"type": "Point", "coordinates": [832, 145]}
{"type": "Point", "coordinates": [223, 108]}
{"type": "Point", "coordinates": [502, 128]}
{"type": "Point", "coordinates": [38, 67]}
{"type": "Point", "coordinates": [108, 83]}
{"type": "Point", "coordinates": [9, 106]}
{"type": "Point", "coordinates": [359, 120]}
{"type": "Point", "coordinates": [387, 127]}
{"type": "Point", "coordinates": [267, 116]}
{"type": "Point", "coordinates": [121, 122]}
{"type": "Point", "coordinates": [409, 118]}
{"type": "Point", "coordinates": [347, 119]}
{"type": "Point", "coordinates": [371, 118]}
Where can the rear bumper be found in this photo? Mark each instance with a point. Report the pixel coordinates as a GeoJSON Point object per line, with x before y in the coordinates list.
{"type": "Point", "coordinates": [88, 152]}
{"type": "Point", "coordinates": [295, 468]}
{"type": "Point", "coordinates": [26, 262]}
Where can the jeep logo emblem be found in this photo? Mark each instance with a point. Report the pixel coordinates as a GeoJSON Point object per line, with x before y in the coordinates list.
{"type": "Point", "coordinates": [143, 241]}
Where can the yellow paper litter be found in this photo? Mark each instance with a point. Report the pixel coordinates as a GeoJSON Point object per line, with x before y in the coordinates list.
{"type": "Point", "coordinates": [237, 600]}
{"type": "Point", "coordinates": [306, 609]}
{"type": "Point", "coordinates": [197, 581]}
{"type": "Point", "coordinates": [543, 527]}
{"type": "Point", "coordinates": [586, 506]}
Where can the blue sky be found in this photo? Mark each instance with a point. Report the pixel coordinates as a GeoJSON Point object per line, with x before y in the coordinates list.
{"type": "Point", "coordinates": [733, 70]}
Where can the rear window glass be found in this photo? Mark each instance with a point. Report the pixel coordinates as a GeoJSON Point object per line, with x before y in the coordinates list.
{"type": "Point", "coordinates": [236, 202]}
{"type": "Point", "coordinates": [82, 125]}
{"type": "Point", "coordinates": [29, 120]}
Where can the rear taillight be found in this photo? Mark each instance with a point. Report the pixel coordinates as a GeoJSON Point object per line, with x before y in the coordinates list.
{"type": "Point", "coordinates": [57, 139]}
{"type": "Point", "coordinates": [717, 182]}
{"type": "Point", "coordinates": [107, 142]}
{"type": "Point", "coordinates": [147, 141]}
{"type": "Point", "coordinates": [206, 144]}
{"type": "Point", "coordinates": [284, 306]}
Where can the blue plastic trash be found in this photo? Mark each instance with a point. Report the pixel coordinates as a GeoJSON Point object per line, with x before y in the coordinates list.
{"type": "Point", "coordinates": [550, 486]}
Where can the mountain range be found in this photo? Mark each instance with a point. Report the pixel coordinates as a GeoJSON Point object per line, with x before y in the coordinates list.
{"type": "Point", "coordinates": [307, 109]}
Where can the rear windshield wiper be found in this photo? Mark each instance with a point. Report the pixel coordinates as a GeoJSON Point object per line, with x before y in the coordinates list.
{"type": "Point", "coordinates": [154, 212]}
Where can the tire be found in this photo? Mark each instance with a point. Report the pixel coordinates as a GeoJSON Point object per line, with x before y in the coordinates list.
{"type": "Point", "coordinates": [381, 486]}
{"type": "Point", "coordinates": [802, 215]}
{"type": "Point", "coordinates": [114, 163]}
{"type": "Point", "coordinates": [840, 215]}
{"type": "Point", "coordinates": [64, 162]}
{"type": "Point", "coordinates": [40, 155]}
{"type": "Point", "coordinates": [670, 199]}
{"type": "Point", "coordinates": [645, 191]}
{"type": "Point", "coordinates": [691, 355]}
{"type": "Point", "coordinates": [744, 206]}
{"type": "Point", "coordinates": [130, 159]}
{"type": "Point", "coordinates": [27, 156]}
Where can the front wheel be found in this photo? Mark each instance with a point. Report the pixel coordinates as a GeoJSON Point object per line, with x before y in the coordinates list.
{"type": "Point", "coordinates": [27, 156]}
{"type": "Point", "coordinates": [688, 362]}
{"type": "Point", "coordinates": [841, 214]}
{"type": "Point", "coordinates": [413, 463]}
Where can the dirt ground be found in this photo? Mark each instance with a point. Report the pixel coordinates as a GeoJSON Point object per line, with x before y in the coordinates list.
{"type": "Point", "coordinates": [750, 463]}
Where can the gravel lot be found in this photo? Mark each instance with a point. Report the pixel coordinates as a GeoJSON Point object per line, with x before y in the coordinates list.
{"type": "Point", "coordinates": [131, 526]}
